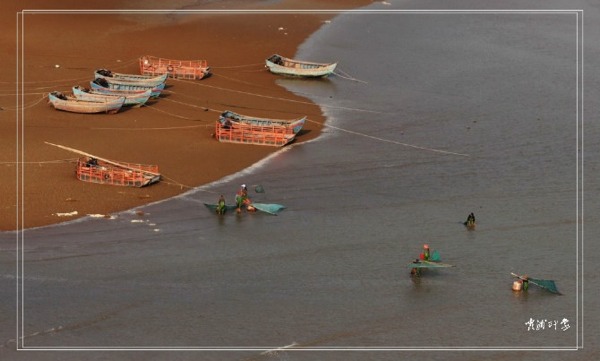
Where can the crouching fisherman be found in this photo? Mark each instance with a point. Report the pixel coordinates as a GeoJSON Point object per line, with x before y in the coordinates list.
{"type": "Point", "coordinates": [416, 271]}
{"type": "Point", "coordinates": [221, 205]}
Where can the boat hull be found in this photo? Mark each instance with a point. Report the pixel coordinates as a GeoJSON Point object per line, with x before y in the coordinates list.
{"type": "Point", "coordinates": [130, 175]}
{"type": "Point", "coordinates": [291, 126]}
{"type": "Point", "coordinates": [72, 104]}
{"type": "Point", "coordinates": [132, 98]}
{"type": "Point", "coordinates": [252, 134]}
{"type": "Point", "coordinates": [178, 69]}
{"type": "Point", "coordinates": [143, 80]}
{"type": "Point", "coordinates": [103, 83]}
{"type": "Point", "coordinates": [297, 68]}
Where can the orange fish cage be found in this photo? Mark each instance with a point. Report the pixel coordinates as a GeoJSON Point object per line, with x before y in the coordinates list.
{"type": "Point", "coordinates": [178, 69]}
{"type": "Point", "coordinates": [119, 174]}
{"type": "Point", "coordinates": [277, 136]}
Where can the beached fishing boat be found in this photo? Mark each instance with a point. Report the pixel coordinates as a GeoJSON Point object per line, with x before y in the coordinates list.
{"type": "Point", "coordinates": [278, 64]}
{"type": "Point", "coordinates": [100, 83]}
{"type": "Point", "coordinates": [134, 98]}
{"type": "Point", "coordinates": [234, 132]}
{"type": "Point", "coordinates": [70, 103]}
{"type": "Point", "coordinates": [136, 85]}
{"type": "Point", "coordinates": [179, 69]}
{"type": "Point", "coordinates": [292, 126]}
{"type": "Point", "coordinates": [146, 80]}
{"type": "Point", "coordinates": [93, 169]}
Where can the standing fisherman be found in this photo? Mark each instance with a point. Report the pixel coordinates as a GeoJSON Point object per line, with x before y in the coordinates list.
{"type": "Point", "coordinates": [425, 252]}
{"type": "Point", "coordinates": [241, 197]}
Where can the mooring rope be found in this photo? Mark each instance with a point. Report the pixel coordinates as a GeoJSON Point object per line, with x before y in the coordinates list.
{"type": "Point", "coordinates": [235, 66]}
{"type": "Point", "coordinates": [25, 106]}
{"type": "Point", "coordinates": [122, 65]}
{"type": "Point", "coordinates": [55, 161]}
{"type": "Point", "coordinates": [398, 143]}
{"type": "Point", "coordinates": [239, 81]}
{"type": "Point", "coordinates": [156, 128]}
{"type": "Point", "coordinates": [206, 109]}
{"type": "Point", "coordinates": [342, 74]}
{"type": "Point", "coordinates": [284, 99]}
{"type": "Point", "coordinates": [174, 182]}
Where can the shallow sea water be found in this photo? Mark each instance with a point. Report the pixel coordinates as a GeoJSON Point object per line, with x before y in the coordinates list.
{"type": "Point", "coordinates": [455, 113]}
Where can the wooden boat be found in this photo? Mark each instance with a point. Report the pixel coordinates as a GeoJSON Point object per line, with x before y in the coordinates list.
{"type": "Point", "coordinates": [234, 132]}
{"type": "Point", "coordinates": [99, 83]}
{"type": "Point", "coordinates": [91, 168]}
{"type": "Point", "coordinates": [131, 83]}
{"type": "Point", "coordinates": [146, 80]}
{"type": "Point", "coordinates": [113, 173]}
{"type": "Point", "coordinates": [135, 98]}
{"type": "Point", "coordinates": [278, 64]}
{"type": "Point", "coordinates": [70, 103]}
{"type": "Point", "coordinates": [292, 126]}
{"type": "Point", "coordinates": [179, 69]}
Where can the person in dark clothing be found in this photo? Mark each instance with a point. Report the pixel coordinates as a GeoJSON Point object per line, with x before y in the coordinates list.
{"type": "Point", "coordinates": [470, 220]}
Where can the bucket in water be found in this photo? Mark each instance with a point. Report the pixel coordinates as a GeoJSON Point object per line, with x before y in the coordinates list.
{"type": "Point", "coordinates": [517, 286]}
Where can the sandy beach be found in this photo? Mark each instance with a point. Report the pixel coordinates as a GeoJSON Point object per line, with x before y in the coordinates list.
{"type": "Point", "coordinates": [62, 49]}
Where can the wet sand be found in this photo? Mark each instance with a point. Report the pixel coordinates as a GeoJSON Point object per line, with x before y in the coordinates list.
{"type": "Point", "coordinates": [173, 132]}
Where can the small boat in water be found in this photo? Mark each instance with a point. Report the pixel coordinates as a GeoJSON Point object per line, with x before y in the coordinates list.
{"type": "Point", "coordinates": [292, 126]}
{"type": "Point", "coordinates": [179, 69]}
{"type": "Point", "coordinates": [135, 98]}
{"type": "Point", "coordinates": [146, 80]}
{"type": "Point", "coordinates": [278, 64]}
{"type": "Point", "coordinates": [100, 83]}
{"type": "Point", "coordinates": [70, 103]}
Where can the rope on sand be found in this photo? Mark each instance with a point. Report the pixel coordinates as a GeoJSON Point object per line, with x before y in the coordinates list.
{"type": "Point", "coordinates": [122, 65]}
{"type": "Point", "coordinates": [194, 106]}
{"type": "Point", "coordinates": [235, 66]}
{"type": "Point", "coordinates": [155, 128]}
{"type": "Point", "coordinates": [25, 106]}
{"type": "Point", "coordinates": [55, 161]}
{"type": "Point", "coordinates": [238, 81]}
{"type": "Point", "coordinates": [174, 182]}
{"type": "Point", "coordinates": [169, 113]}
